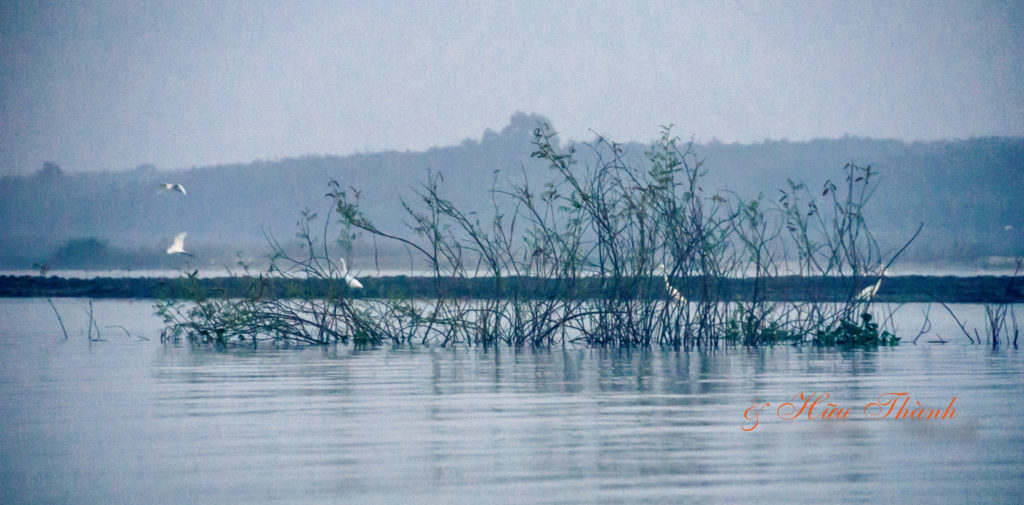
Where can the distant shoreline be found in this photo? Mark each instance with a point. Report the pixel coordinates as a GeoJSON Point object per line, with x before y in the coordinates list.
{"type": "Point", "coordinates": [912, 288]}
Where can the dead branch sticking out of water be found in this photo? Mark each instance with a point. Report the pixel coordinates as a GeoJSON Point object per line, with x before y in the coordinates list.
{"type": "Point", "coordinates": [59, 319]}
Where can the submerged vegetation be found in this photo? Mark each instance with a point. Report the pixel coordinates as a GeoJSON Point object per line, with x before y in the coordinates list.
{"type": "Point", "coordinates": [627, 251]}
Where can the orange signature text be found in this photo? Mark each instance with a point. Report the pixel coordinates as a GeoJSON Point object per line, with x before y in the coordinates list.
{"type": "Point", "coordinates": [883, 409]}
{"type": "Point", "coordinates": [818, 407]}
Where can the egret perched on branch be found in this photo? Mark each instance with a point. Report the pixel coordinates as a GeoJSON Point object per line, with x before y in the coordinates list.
{"type": "Point", "coordinates": [351, 281]}
{"type": "Point", "coordinates": [869, 292]}
{"type": "Point", "coordinates": [172, 187]}
{"type": "Point", "coordinates": [178, 247]}
{"type": "Point", "coordinates": [673, 292]}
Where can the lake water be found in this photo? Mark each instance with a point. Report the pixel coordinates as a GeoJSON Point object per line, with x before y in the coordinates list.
{"type": "Point", "coordinates": [129, 420]}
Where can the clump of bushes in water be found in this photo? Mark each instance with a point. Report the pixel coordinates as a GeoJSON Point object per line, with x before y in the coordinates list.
{"type": "Point", "coordinates": [865, 333]}
{"type": "Point", "coordinates": [656, 245]}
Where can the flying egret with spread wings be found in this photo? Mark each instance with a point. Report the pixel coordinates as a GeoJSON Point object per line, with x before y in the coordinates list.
{"type": "Point", "coordinates": [178, 247]}
{"type": "Point", "coordinates": [167, 186]}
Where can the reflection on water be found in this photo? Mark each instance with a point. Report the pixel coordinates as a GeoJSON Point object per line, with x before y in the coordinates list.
{"type": "Point", "coordinates": [131, 421]}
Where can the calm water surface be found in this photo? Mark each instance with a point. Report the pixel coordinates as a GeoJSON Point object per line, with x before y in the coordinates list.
{"type": "Point", "coordinates": [128, 420]}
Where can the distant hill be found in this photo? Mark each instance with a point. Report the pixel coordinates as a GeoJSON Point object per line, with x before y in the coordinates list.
{"type": "Point", "coordinates": [967, 192]}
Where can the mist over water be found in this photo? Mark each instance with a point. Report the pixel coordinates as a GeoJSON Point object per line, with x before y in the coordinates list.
{"type": "Point", "coordinates": [941, 269]}
{"type": "Point", "coordinates": [231, 213]}
{"type": "Point", "coordinates": [255, 108]}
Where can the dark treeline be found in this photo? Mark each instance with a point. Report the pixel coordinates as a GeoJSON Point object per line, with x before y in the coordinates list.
{"type": "Point", "coordinates": [904, 289]}
{"type": "Point", "coordinates": [967, 192]}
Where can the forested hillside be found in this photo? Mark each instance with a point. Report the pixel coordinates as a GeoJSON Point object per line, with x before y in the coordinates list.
{"type": "Point", "coordinates": [967, 192]}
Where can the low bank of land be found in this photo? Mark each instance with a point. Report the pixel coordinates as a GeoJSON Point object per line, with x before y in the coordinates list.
{"type": "Point", "coordinates": [980, 289]}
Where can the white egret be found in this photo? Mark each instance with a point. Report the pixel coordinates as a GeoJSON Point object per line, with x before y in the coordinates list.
{"type": "Point", "coordinates": [351, 281]}
{"type": "Point", "coordinates": [673, 292]}
{"type": "Point", "coordinates": [172, 187]}
{"type": "Point", "coordinates": [869, 292]}
{"type": "Point", "coordinates": [178, 247]}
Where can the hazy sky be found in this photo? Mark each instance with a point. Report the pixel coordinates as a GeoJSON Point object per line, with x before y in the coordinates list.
{"type": "Point", "coordinates": [111, 85]}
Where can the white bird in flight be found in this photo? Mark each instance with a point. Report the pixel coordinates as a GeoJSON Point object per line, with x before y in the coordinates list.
{"type": "Point", "coordinates": [178, 247]}
{"type": "Point", "coordinates": [351, 281]}
{"type": "Point", "coordinates": [172, 187]}
{"type": "Point", "coordinates": [869, 292]}
{"type": "Point", "coordinates": [673, 292]}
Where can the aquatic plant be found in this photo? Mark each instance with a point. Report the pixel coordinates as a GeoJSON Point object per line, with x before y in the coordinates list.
{"type": "Point", "coordinates": [316, 306]}
{"type": "Point", "coordinates": [42, 268]}
{"type": "Point", "coordinates": [612, 249]}
{"type": "Point", "coordinates": [1000, 318]}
